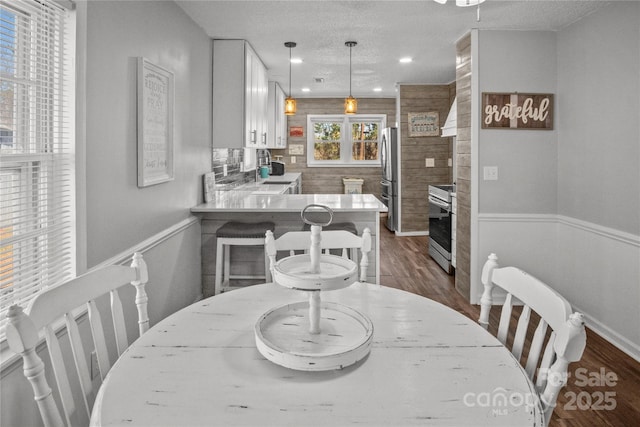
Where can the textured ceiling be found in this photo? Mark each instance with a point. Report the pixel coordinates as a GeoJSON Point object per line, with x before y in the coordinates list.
{"type": "Point", "coordinates": [385, 32]}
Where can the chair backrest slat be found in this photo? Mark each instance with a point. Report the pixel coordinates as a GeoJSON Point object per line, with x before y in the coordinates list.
{"type": "Point", "coordinates": [521, 332]}
{"type": "Point", "coordinates": [545, 364]}
{"type": "Point", "coordinates": [505, 318]}
{"type": "Point", "coordinates": [80, 363]}
{"type": "Point", "coordinates": [99, 341]}
{"type": "Point", "coordinates": [536, 348]}
{"type": "Point", "coordinates": [62, 301]}
{"type": "Point", "coordinates": [60, 373]}
{"type": "Point", "coordinates": [567, 340]}
{"type": "Point", "coordinates": [119, 328]}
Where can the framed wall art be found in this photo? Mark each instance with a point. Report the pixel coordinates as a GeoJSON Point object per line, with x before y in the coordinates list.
{"type": "Point", "coordinates": [296, 131]}
{"type": "Point", "coordinates": [532, 111]}
{"type": "Point", "coordinates": [424, 124]}
{"type": "Point", "coordinates": [155, 124]}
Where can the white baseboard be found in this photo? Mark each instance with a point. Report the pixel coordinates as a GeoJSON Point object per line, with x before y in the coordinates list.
{"type": "Point", "coordinates": [620, 342]}
{"type": "Point", "coordinates": [411, 233]}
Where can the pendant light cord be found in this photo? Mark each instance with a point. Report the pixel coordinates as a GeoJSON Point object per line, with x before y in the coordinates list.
{"type": "Point", "coordinates": [289, 71]}
{"type": "Point", "coordinates": [349, 70]}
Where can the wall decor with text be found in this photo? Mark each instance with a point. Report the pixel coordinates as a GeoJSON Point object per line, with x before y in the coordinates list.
{"type": "Point", "coordinates": [155, 124]}
{"type": "Point", "coordinates": [517, 111]}
{"type": "Point", "coordinates": [424, 124]}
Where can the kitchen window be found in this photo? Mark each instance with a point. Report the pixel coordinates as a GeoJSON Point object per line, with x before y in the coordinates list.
{"type": "Point", "coordinates": [344, 140]}
{"type": "Point", "coordinates": [37, 208]}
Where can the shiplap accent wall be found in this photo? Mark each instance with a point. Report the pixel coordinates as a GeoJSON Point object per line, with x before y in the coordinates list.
{"type": "Point", "coordinates": [329, 180]}
{"type": "Point", "coordinates": [416, 177]}
{"type": "Point", "coordinates": [463, 165]}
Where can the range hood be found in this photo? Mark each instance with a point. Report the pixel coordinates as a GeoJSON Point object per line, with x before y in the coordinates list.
{"type": "Point", "coordinates": [450, 126]}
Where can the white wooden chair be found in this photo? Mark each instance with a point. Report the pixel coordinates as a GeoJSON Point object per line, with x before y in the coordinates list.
{"type": "Point", "coordinates": [47, 309]}
{"type": "Point", "coordinates": [348, 242]}
{"type": "Point", "coordinates": [567, 339]}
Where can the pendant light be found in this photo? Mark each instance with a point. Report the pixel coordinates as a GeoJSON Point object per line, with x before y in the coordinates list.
{"type": "Point", "coordinates": [350, 103]}
{"type": "Point", "coordinates": [289, 102]}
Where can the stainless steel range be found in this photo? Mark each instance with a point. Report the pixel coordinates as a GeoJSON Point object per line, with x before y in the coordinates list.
{"type": "Point", "coordinates": [440, 225]}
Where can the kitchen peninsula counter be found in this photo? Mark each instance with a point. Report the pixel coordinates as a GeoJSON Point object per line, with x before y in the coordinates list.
{"type": "Point", "coordinates": [248, 201]}
{"type": "Point", "coordinates": [363, 210]}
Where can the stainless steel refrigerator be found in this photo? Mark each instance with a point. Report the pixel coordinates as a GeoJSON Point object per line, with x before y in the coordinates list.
{"type": "Point", "coordinates": [389, 160]}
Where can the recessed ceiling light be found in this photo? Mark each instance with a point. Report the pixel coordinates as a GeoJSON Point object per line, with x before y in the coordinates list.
{"type": "Point", "coordinates": [377, 89]}
{"type": "Point", "coordinates": [296, 61]}
{"type": "Point", "coordinates": [406, 60]}
{"type": "Point", "coordinates": [306, 89]}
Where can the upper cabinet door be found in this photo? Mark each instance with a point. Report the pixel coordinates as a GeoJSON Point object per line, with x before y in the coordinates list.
{"type": "Point", "coordinates": [277, 119]}
{"type": "Point", "coordinates": [239, 96]}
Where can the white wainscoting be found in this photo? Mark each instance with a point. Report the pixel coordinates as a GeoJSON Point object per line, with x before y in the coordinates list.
{"type": "Point", "coordinates": [596, 268]}
{"type": "Point", "coordinates": [174, 262]}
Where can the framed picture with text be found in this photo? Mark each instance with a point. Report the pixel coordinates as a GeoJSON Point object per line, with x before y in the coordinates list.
{"type": "Point", "coordinates": [424, 124]}
{"type": "Point", "coordinates": [155, 124]}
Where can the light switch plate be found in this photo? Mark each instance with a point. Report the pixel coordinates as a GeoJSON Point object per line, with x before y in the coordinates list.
{"type": "Point", "coordinates": [450, 162]}
{"type": "Point", "coordinates": [224, 170]}
{"type": "Point", "coordinates": [490, 173]}
{"type": "Point", "coordinates": [430, 162]}
{"type": "Point", "coordinates": [293, 159]}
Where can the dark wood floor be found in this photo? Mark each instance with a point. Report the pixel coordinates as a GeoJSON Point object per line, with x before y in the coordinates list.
{"type": "Point", "coordinates": [406, 265]}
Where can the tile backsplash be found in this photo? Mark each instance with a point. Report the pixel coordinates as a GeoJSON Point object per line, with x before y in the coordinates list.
{"type": "Point", "coordinates": [230, 159]}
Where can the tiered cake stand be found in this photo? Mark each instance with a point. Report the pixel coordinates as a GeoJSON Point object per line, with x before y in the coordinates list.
{"type": "Point", "coordinates": [314, 335]}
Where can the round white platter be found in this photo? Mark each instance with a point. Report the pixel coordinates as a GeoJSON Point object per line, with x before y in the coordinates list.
{"type": "Point", "coordinates": [283, 337]}
{"type": "Point", "coordinates": [335, 273]}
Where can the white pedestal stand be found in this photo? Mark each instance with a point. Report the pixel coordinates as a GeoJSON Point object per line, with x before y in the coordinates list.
{"type": "Point", "coordinates": [314, 336]}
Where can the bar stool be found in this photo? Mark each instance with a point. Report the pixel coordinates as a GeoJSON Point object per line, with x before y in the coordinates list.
{"type": "Point", "coordinates": [237, 234]}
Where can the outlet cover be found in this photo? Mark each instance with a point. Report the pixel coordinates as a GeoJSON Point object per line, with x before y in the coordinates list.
{"type": "Point", "coordinates": [490, 173]}
{"type": "Point", "coordinates": [450, 162]}
{"type": "Point", "coordinates": [430, 162]}
{"type": "Point", "coordinates": [224, 170]}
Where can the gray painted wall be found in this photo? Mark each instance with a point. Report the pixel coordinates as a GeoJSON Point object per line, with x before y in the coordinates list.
{"type": "Point", "coordinates": [585, 174]}
{"type": "Point", "coordinates": [599, 103]}
{"type": "Point", "coordinates": [119, 214]}
{"type": "Point", "coordinates": [518, 61]}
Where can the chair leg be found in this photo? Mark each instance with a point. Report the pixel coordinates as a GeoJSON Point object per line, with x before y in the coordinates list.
{"type": "Point", "coordinates": [219, 255]}
{"type": "Point", "coordinates": [267, 270]}
{"type": "Point", "coordinates": [226, 280]}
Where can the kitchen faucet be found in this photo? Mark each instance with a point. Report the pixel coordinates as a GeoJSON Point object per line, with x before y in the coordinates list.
{"type": "Point", "coordinates": [269, 160]}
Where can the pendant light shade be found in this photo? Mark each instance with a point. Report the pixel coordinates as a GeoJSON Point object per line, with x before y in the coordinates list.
{"type": "Point", "coordinates": [350, 103]}
{"type": "Point", "coordinates": [289, 102]}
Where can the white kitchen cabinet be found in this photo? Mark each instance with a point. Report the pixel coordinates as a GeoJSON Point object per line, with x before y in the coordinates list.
{"type": "Point", "coordinates": [240, 86]}
{"type": "Point", "coordinates": [277, 124]}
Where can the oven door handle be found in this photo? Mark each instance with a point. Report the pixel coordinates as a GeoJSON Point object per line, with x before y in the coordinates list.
{"type": "Point", "coordinates": [439, 203]}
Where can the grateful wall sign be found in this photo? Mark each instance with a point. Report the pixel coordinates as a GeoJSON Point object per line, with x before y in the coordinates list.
{"type": "Point", "coordinates": [517, 111]}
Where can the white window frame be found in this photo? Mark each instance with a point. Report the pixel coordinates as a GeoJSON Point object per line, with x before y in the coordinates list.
{"type": "Point", "coordinates": [41, 156]}
{"type": "Point", "coordinates": [346, 143]}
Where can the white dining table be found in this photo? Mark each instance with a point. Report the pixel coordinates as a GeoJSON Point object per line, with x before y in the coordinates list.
{"type": "Point", "coordinates": [428, 365]}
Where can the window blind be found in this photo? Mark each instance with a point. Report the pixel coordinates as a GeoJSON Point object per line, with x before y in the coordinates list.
{"type": "Point", "coordinates": [37, 212]}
